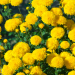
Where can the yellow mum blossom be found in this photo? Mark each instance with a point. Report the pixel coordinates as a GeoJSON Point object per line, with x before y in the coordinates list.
{"type": "Point", "coordinates": [52, 43]}
{"type": "Point", "coordinates": [16, 30]}
{"type": "Point", "coordinates": [11, 24]}
{"type": "Point", "coordinates": [6, 70]}
{"type": "Point", "coordinates": [61, 20]}
{"type": "Point", "coordinates": [16, 2]}
{"type": "Point", "coordinates": [20, 73]}
{"type": "Point", "coordinates": [15, 63]}
{"type": "Point", "coordinates": [72, 46]}
{"type": "Point", "coordinates": [23, 27]}
{"type": "Point", "coordinates": [20, 49]}
{"type": "Point", "coordinates": [64, 44]}
{"type": "Point", "coordinates": [70, 62]}
{"type": "Point", "coordinates": [0, 36]}
{"type": "Point", "coordinates": [73, 51]}
{"type": "Point", "coordinates": [57, 32]}
{"type": "Point", "coordinates": [1, 48]}
{"type": "Point", "coordinates": [27, 8]}
{"type": "Point", "coordinates": [31, 18]}
{"type": "Point", "coordinates": [8, 55]}
{"type": "Point", "coordinates": [3, 2]}
{"type": "Point", "coordinates": [65, 54]}
{"type": "Point", "coordinates": [1, 18]}
{"type": "Point", "coordinates": [48, 17]}
{"type": "Point", "coordinates": [28, 59]}
{"type": "Point", "coordinates": [36, 70]}
{"type": "Point", "coordinates": [50, 57]}
{"type": "Point", "coordinates": [57, 62]}
{"type": "Point", "coordinates": [5, 40]}
{"type": "Point", "coordinates": [26, 71]}
{"type": "Point", "coordinates": [35, 40]}
{"type": "Point", "coordinates": [39, 54]}
{"type": "Point", "coordinates": [57, 11]}
{"type": "Point", "coordinates": [71, 35]}
{"type": "Point", "coordinates": [39, 10]}
{"type": "Point", "coordinates": [71, 72]}
{"type": "Point", "coordinates": [41, 25]}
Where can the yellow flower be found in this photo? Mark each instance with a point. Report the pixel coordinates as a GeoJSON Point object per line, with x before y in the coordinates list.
{"type": "Point", "coordinates": [57, 11]}
{"type": "Point", "coordinates": [31, 18]}
{"type": "Point", "coordinates": [64, 44]}
{"type": "Point", "coordinates": [46, 2]}
{"type": "Point", "coordinates": [52, 43]}
{"type": "Point", "coordinates": [0, 29]}
{"type": "Point", "coordinates": [69, 8]}
{"type": "Point", "coordinates": [57, 62]}
{"type": "Point", "coordinates": [36, 70]}
{"type": "Point", "coordinates": [70, 62]}
{"type": "Point", "coordinates": [5, 7]}
{"type": "Point", "coordinates": [8, 55]}
{"type": "Point", "coordinates": [48, 17]}
{"type": "Point", "coordinates": [16, 2]}
{"type": "Point", "coordinates": [61, 20]}
{"type": "Point", "coordinates": [3, 2]}
{"type": "Point", "coordinates": [11, 24]}
{"type": "Point", "coordinates": [20, 49]}
{"type": "Point", "coordinates": [39, 10]}
{"type": "Point", "coordinates": [41, 25]}
{"type": "Point", "coordinates": [28, 59]}
{"type": "Point", "coordinates": [57, 32]}
{"type": "Point", "coordinates": [6, 70]}
{"type": "Point", "coordinates": [71, 35]}
{"type": "Point", "coordinates": [72, 46]}
{"type": "Point", "coordinates": [15, 63]}
{"type": "Point", "coordinates": [5, 40]}
{"type": "Point", "coordinates": [27, 8]}
{"type": "Point", "coordinates": [0, 36]}
{"type": "Point", "coordinates": [69, 24]}
{"type": "Point", "coordinates": [71, 72]}
{"type": "Point", "coordinates": [1, 48]}
{"type": "Point", "coordinates": [73, 51]}
{"type": "Point", "coordinates": [35, 40]}
{"type": "Point", "coordinates": [26, 71]}
{"type": "Point", "coordinates": [17, 15]}
{"type": "Point", "coordinates": [39, 54]}
{"type": "Point", "coordinates": [23, 27]}
{"type": "Point", "coordinates": [16, 30]}
{"type": "Point", "coordinates": [64, 54]}
{"type": "Point", "coordinates": [20, 73]}
{"type": "Point", "coordinates": [50, 57]}
{"type": "Point", "coordinates": [1, 18]}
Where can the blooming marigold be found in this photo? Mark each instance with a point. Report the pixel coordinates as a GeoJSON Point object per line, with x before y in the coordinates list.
{"type": "Point", "coordinates": [3, 2]}
{"type": "Point", "coordinates": [35, 40]}
{"type": "Point", "coordinates": [57, 32]}
{"type": "Point", "coordinates": [71, 35]}
{"type": "Point", "coordinates": [72, 46]}
{"type": "Point", "coordinates": [41, 25]}
{"type": "Point", "coordinates": [61, 20]}
{"type": "Point", "coordinates": [1, 48]}
{"type": "Point", "coordinates": [71, 72]}
{"type": "Point", "coordinates": [20, 49]}
{"type": "Point", "coordinates": [28, 59]}
{"type": "Point", "coordinates": [31, 18]}
{"type": "Point", "coordinates": [57, 62]}
{"type": "Point", "coordinates": [64, 44]}
{"type": "Point", "coordinates": [37, 55]}
{"type": "Point", "coordinates": [20, 73]}
{"type": "Point", "coordinates": [52, 43]}
{"type": "Point", "coordinates": [39, 10]}
{"type": "Point", "coordinates": [8, 55]}
{"type": "Point", "coordinates": [1, 19]}
{"type": "Point", "coordinates": [64, 54]}
{"type": "Point", "coordinates": [70, 62]}
{"type": "Point", "coordinates": [48, 17]}
{"type": "Point", "coordinates": [16, 2]}
{"type": "Point", "coordinates": [36, 70]}
{"type": "Point", "coordinates": [57, 11]}
{"type": "Point", "coordinates": [5, 40]}
{"type": "Point", "coordinates": [6, 70]}
{"type": "Point", "coordinates": [11, 24]}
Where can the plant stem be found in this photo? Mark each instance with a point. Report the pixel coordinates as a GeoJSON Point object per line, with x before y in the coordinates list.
{"type": "Point", "coordinates": [19, 10]}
